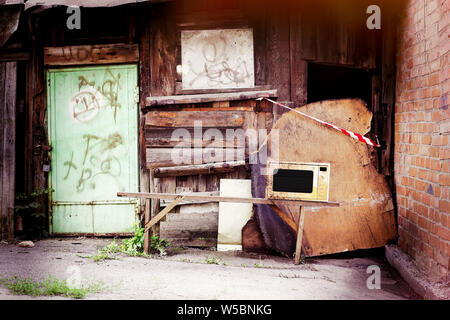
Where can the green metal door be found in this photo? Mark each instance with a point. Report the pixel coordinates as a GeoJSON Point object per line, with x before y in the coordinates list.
{"type": "Point", "coordinates": [92, 119]}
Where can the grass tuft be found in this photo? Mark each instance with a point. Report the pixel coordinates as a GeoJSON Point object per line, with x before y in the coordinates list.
{"type": "Point", "coordinates": [50, 286]}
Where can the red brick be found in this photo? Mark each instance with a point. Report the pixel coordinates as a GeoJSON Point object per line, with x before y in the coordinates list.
{"type": "Point", "coordinates": [434, 242]}
{"type": "Point", "coordinates": [444, 206]}
{"type": "Point", "coordinates": [444, 179]}
{"type": "Point", "coordinates": [428, 250]}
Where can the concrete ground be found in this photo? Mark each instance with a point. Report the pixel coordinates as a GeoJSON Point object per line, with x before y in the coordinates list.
{"type": "Point", "coordinates": [186, 274]}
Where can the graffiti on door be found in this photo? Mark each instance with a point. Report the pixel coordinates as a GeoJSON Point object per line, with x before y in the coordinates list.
{"type": "Point", "coordinates": [92, 97]}
{"type": "Point", "coordinates": [100, 157]}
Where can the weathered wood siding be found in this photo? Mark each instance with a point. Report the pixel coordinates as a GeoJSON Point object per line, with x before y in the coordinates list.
{"type": "Point", "coordinates": [8, 82]}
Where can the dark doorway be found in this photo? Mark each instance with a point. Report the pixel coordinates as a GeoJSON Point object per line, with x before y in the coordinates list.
{"type": "Point", "coordinates": [336, 82]}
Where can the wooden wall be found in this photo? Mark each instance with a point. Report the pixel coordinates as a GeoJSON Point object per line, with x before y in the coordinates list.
{"type": "Point", "coordinates": [286, 39]}
{"type": "Point", "coordinates": [8, 82]}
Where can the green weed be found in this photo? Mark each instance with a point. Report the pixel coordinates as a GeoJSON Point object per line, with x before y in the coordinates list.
{"type": "Point", "coordinates": [133, 246]}
{"type": "Point", "coordinates": [50, 286]}
{"type": "Point", "coordinates": [215, 260]}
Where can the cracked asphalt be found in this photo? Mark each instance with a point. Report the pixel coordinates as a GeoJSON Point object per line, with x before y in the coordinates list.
{"type": "Point", "coordinates": [185, 274]}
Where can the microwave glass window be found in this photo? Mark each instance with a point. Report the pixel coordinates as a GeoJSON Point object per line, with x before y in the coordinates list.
{"type": "Point", "coordinates": [299, 181]}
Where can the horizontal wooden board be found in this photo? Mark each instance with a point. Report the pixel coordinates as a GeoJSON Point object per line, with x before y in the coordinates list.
{"type": "Point", "coordinates": [167, 157]}
{"type": "Point", "coordinates": [91, 54]}
{"type": "Point", "coordinates": [209, 168]}
{"type": "Point", "coordinates": [208, 119]}
{"type": "Point", "coordinates": [211, 97]}
{"type": "Point", "coordinates": [172, 196]}
{"type": "Point", "coordinates": [179, 90]}
{"type": "Point", "coordinates": [165, 202]}
{"type": "Point", "coordinates": [206, 137]}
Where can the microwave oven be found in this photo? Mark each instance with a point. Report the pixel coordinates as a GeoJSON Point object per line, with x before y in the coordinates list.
{"type": "Point", "coordinates": [298, 181]}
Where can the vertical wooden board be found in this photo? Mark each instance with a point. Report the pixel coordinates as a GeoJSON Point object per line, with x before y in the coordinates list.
{"type": "Point", "coordinates": [277, 58]}
{"type": "Point", "coordinates": [154, 209]}
{"type": "Point", "coordinates": [8, 82]}
{"type": "Point", "coordinates": [299, 67]}
{"type": "Point", "coordinates": [343, 30]}
{"type": "Point", "coordinates": [163, 48]}
{"type": "Point", "coordinates": [202, 183]}
{"type": "Point", "coordinates": [38, 178]}
{"type": "Point", "coordinates": [143, 29]}
{"type": "Point", "coordinates": [388, 90]}
{"type": "Point", "coordinates": [144, 58]}
{"type": "Point", "coordinates": [259, 36]}
{"type": "Point", "coordinates": [167, 185]}
{"type": "Point", "coordinates": [308, 36]}
{"type": "Point", "coordinates": [301, 222]}
{"type": "Point", "coordinates": [3, 212]}
{"type": "Point", "coordinates": [212, 183]}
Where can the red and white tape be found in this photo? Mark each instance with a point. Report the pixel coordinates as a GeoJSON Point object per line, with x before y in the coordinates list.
{"type": "Point", "coordinates": [354, 135]}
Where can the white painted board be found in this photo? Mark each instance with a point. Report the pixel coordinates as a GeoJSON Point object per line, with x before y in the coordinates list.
{"type": "Point", "coordinates": [217, 59]}
{"type": "Point", "coordinates": [233, 216]}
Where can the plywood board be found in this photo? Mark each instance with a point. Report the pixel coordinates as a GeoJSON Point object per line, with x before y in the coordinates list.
{"type": "Point", "coordinates": [365, 218]}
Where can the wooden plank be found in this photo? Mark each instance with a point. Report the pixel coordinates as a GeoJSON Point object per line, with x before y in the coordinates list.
{"type": "Point", "coordinates": [171, 196]}
{"type": "Point", "coordinates": [163, 48]}
{"type": "Point", "coordinates": [298, 67]}
{"type": "Point", "coordinates": [164, 203]}
{"type": "Point", "coordinates": [3, 189]}
{"type": "Point", "coordinates": [210, 168]}
{"type": "Point", "coordinates": [14, 56]}
{"type": "Point", "coordinates": [91, 54]}
{"type": "Point", "coordinates": [277, 54]}
{"type": "Point", "coordinates": [163, 212]}
{"type": "Point", "coordinates": [147, 218]}
{"type": "Point", "coordinates": [7, 148]}
{"type": "Point", "coordinates": [181, 119]}
{"type": "Point", "coordinates": [162, 138]}
{"type": "Point", "coordinates": [259, 48]}
{"type": "Point", "coordinates": [144, 91]}
{"type": "Point", "coordinates": [169, 157]}
{"type": "Point", "coordinates": [284, 216]}
{"type": "Point", "coordinates": [298, 247]}
{"type": "Point", "coordinates": [388, 92]}
{"type": "Point", "coordinates": [154, 209]}
{"type": "Point", "coordinates": [212, 97]}
{"type": "Point", "coordinates": [179, 90]}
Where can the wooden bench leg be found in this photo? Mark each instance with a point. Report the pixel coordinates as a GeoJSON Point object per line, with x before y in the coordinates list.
{"type": "Point", "coordinates": [146, 221]}
{"type": "Point", "coordinates": [298, 247]}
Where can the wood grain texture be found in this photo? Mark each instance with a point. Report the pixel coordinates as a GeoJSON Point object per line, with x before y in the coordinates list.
{"type": "Point", "coordinates": [208, 97]}
{"type": "Point", "coordinates": [365, 218]}
{"type": "Point", "coordinates": [163, 56]}
{"type": "Point", "coordinates": [252, 240]}
{"type": "Point", "coordinates": [165, 138]}
{"type": "Point", "coordinates": [194, 197]}
{"type": "Point", "coordinates": [183, 119]}
{"type": "Point", "coordinates": [169, 157]}
{"type": "Point", "coordinates": [8, 83]}
{"type": "Point", "coordinates": [91, 54]}
{"type": "Point", "coordinates": [190, 170]}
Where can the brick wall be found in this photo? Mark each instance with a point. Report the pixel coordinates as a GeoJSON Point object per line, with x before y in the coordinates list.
{"type": "Point", "coordinates": [422, 129]}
